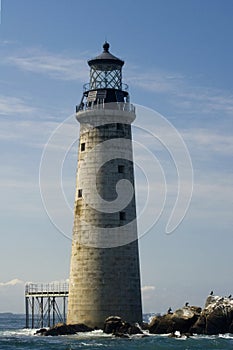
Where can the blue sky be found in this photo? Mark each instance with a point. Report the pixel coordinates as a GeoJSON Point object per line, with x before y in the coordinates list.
{"type": "Point", "coordinates": [178, 62]}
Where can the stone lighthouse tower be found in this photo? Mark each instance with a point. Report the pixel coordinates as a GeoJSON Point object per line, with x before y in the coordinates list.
{"type": "Point", "coordinates": [104, 271]}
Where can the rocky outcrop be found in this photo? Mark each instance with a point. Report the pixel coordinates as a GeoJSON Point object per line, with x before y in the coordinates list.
{"type": "Point", "coordinates": [181, 320]}
{"type": "Point", "coordinates": [64, 329]}
{"type": "Point", "coordinates": [184, 318]}
{"type": "Point", "coordinates": [216, 317]}
{"type": "Point", "coordinates": [114, 325]}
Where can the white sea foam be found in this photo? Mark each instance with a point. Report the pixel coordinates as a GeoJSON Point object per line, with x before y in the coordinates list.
{"type": "Point", "coordinates": [92, 344]}
{"type": "Point", "coordinates": [226, 336]}
{"type": "Point", "coordinates": [18, 332]}
{"type": "Point", "coordinates": [98, 334]}
{"type": "Point", "coordinates": [94, 334]}
{"type": "Point", "coordinates": [205, 336]}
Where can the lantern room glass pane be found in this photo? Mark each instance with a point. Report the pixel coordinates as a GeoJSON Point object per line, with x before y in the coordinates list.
{"type": "Point", "coordinates": [102, 79]}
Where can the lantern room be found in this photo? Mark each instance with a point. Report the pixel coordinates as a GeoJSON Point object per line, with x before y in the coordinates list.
{"type": "Point", "coordinates": [105, 84]}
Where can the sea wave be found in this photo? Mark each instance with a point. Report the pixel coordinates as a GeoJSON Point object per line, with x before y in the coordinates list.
{"type": "Point", "coordinates": [17, 332]}
{"type": "Point", "coordinates": [100, 334]}
{"type": "Point", "coordinates": [226, 336]}
{"type": "Point", "coordinates": [211, 337]}
{"type": "Point", "coordinates": [94, 334]}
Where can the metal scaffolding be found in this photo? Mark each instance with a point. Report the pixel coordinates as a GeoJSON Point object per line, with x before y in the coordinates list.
{"type": "Point", "coordinates": [45, 304]}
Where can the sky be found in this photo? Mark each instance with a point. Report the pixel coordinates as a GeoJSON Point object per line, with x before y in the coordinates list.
{"type": "Point", "coordinates": [178, 65]}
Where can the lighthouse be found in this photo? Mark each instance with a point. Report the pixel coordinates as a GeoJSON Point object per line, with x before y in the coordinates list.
{"type": "Point", "coordinates": [105, 270]}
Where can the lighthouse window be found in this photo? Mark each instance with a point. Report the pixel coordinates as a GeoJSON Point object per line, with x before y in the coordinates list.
{"type": "Point", "coordinates": [122, 215]}
{"type": "Point", "coordinates": [82, 147]}
{"type": "Point", "coordinates": [121, 169]}
{"type": "Point", "coordinates": [80, 193]}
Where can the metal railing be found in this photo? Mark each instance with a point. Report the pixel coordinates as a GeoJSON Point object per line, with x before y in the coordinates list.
{"type": "Point", "coordinates": [45, 304]}
{"type": "Point", "coordinates": [121, 106]}
{"type": "Point", "coordinates": [87, 87]}
{"type": "Point", "coordinates": [46, 288]}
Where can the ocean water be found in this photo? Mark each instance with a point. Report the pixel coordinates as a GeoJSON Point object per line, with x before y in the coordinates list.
{"type": "Point", "coordinates": [13, 335]}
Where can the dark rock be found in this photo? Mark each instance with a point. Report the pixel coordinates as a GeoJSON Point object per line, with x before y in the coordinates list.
{"type": "Point", "coordinates": [161, 324]}
{"type": "Point", "coordinates": [216, 322]}
{"type": "Point", "coordinates": [80, 328]}
{"type": "Point", "coordinates": [121, 335]}
{"type": "Point", "coordinates": [60, 329]}
{"type": "Point", "coordinates": [145, 326]}
{"type": "Point", "coordinates": [185, 318]}
{"type": "Point", "coordinates": [112, 324]}
{"type": "Point", "coordinates": [219, 320]}
{"type": "Point", "coordinates": [231, 328]}
{"type": "Point", "coordinates": [199, 325]}
{"type": "Point", "coordinates": [41, 331]}
{"type": "Point", "coordinates": [127, 328]}
{"type": "Point", "coordinates": [115, 325]}
{"type": "Point", "coordinates": [134, 329]}
{"type": "Point", "coordinates": [181, 320]}
{"type": "Point", "coordinates": [188, 334]}
{"type": "Point", "coordinates": [64, 329]}
{"type": "Point", "coordinates": [152, 326]}
{"type": "Point", "coordinates": [216, 317]}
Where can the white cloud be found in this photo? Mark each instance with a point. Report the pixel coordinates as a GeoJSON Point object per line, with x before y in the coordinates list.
{"type": "Point", "coordinates": [146, 289]}
{"type": "Point", "coordinates": [156, 81]}
{"type": "Point", "coordinates": [12, 296]}
{"type": "Point", "coordinates": [34, 133]}
{"type": "Point", "coordinates": [14, 106]}
{"type": "Point", "coordinates": [56, 66]}
{"type": "Point", "coordinates": [183, 92]}
{"type": "Point", "coordinates": [208, 99]}
{"type": "Point", "coordinates": [13, 282]}
{"type": "Point", "coordinates": [148, 297]}
{"type": "Point", "coordinates": [209, 140]}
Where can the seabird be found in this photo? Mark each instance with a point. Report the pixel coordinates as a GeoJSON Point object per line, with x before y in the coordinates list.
{"type": "Point", "coordinates": [186, 304]}
{"type": "Point", "coordinates": [211, 293]}
{"type": "Point", "coordinates": [169, 310]}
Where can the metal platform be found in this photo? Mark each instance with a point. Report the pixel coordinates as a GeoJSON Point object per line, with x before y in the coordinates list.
{"type": "Point", "coordinates": [45, 304]}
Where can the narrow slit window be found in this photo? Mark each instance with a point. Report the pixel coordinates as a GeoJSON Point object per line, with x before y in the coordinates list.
{"type": "Point", "coordinates": [83, 146]}
{"type": "Point", "coordinates": [80, 193]}
{"type": "Point", "coordinates": [122, 215]}
{"type": "Point", "coordinates": [121, 169]}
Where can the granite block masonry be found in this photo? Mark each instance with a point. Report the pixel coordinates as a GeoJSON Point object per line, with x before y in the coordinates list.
{"type": "Point", "coordinates": [105, 269]}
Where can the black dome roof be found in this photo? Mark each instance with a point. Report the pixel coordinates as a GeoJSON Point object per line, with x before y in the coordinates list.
{"type": "Point", "coordinates": [106, 57]}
